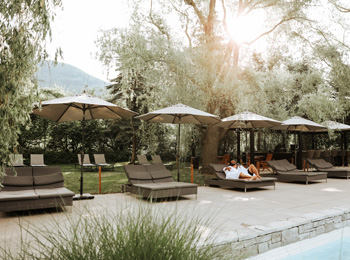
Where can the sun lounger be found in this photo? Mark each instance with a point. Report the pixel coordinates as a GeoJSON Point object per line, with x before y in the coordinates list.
{"type": "Point", "coordinates": [157, 160]}
{"type": "Point", "coordinates": [324, 166]}
{"type": "Point", "coordinates": [142, 159]}
{"type": "Point", "coordinates": [221, 181]}
{"type": "Point", "coordinates": [37, 160]}
{"type": "Point", "coordinates": [34, 188]}
{"type": "Point", "coordinates": [155, 181]}
{"type": "Point", "coordinates": [16, 160]}
{"type": "Point", "coordinates": [100, 160]}
{"type": "Point", "coordinates": [287, 172]}
{"type": "Point", "coordinates": [86, 163]}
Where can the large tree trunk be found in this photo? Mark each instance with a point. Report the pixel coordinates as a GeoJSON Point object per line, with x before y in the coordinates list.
{"type": "Point", "coordinates": [210, 140]}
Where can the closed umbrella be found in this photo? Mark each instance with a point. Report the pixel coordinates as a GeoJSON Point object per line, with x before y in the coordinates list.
{"type": "Point", "coordinates": [180, 114]}
{"type": "Point", "coordinates": [248, 120]}
{"type": "Point", "coordinates": [81, 107]}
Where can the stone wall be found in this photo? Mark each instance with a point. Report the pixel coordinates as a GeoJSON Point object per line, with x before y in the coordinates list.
{"type": "Point", "coordinates": [259, 239]}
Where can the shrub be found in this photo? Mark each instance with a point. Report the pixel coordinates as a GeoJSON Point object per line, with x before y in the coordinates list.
{"type": "Point", "coordinates": [132, 233]}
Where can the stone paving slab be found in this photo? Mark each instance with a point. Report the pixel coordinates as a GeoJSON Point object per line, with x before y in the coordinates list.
{"type": "Point", "coordinates": [247, 223]}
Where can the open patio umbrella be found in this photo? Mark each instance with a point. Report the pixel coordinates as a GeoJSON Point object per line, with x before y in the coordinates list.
{"type": "Point", "coordinates": [343, 129]}
{"type": "Point", "coordinates": [179, 114]}
{"type": "Point", "coordinates": [248, 120]}
{"type": "Point", "coordinates": [82, 107]}
{"type": "Point", "coordinates": [298, 125]}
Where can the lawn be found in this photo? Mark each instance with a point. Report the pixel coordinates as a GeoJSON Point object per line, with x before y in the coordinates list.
{"type": "Point", "coordinates": [112, 181]}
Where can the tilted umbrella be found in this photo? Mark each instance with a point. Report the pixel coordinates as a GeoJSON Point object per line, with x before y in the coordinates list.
{"type": "Point", "coordinates": [248, 120]}
{"type": "Point", "coordinates": [180, 114]}
{"type": "Point", "coordinates": [299, 124]}
{"type": "Point", "coordinates": [82, 107]}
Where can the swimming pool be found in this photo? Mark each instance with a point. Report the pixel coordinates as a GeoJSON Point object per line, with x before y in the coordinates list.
{"type": "Point", "coordinates": [332, 245]}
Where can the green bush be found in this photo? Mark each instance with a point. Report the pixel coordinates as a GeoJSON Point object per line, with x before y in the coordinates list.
{"type": "Point", "coordinates": [132, 233]}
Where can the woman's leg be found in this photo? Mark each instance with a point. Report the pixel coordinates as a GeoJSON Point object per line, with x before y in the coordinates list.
{"type": "Point", "coordinates": [254, 170]}
{"type": "Point", "coordinates": [247, 177]}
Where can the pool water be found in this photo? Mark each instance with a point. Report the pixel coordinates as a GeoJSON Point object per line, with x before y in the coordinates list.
{"type": "Point", "coordinates": [328, 246]}
{"type": "Point", "coordinates": [339, 249]}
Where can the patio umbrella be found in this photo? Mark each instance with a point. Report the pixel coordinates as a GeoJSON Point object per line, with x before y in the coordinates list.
{"type": "Point", "coordinates": [248, 120]}
{"type": "Point", "coordinates": [339, 127]}
{"type": "Point", "coordinates": [299, 124]}
{"type": "Point", "coordinates": [81, 107]}
{"type": "Point", "coordinates": [180, 114]}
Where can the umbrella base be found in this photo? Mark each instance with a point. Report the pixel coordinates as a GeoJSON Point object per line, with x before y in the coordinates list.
{"type": "Point", "coordinates": [85, 196]}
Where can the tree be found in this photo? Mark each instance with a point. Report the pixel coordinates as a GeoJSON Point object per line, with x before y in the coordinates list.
{"type": "Point", "coordinates": [208, 65]}
{"type": "Point", "coordinates": [25, 25]}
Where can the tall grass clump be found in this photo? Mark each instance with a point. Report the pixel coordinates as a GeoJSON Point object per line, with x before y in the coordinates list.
{"type": "Point", "coordinates": [132, 233]}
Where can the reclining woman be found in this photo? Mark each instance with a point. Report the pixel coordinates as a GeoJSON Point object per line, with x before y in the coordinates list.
{"type": "Point", "coordinates": [235, 171]}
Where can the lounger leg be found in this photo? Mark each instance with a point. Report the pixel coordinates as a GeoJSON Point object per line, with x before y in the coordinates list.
{"type": "Point", "coordinates": [245, 189]}
{"type": "Point", "coordinates": [307, 182]}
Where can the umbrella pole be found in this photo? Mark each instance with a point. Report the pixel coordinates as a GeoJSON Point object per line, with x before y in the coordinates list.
{"type": "Point", "coordinates": [178, 154]}
{"type": "Point", "coordinates": [82, 156]}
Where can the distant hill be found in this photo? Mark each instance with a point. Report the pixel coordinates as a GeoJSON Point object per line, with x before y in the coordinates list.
{"type": "Point", "coordinates": [69, 78]}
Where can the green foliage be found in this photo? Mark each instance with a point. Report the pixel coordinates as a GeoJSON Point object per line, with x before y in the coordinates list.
{"type": "Point", "coordinates": [134, 232]}
{"type": "Point", "coordinates": [25, 25]}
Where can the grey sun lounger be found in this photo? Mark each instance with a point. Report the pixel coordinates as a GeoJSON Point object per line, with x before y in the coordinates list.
{"type": "Point", "coordinates": [142, 159]}
{"type": "Point", "coordinates": [86, 163]}
{"type": "Point", "coordinates": [157, 160]}
{"type": "Point", "coordinates": [31, 188]}
{"type": "Point", "coordinates": [100, 160]}
{"type": "Point", "coordinates": [155, 181]}
{"type": "Point", "coordinates": [16, 160]}
{"type": "Point", "coordinates": [287, 172]}
{"type": "Point", "coordinates": [324, 166]}
{"type": "Point", "coordinates": [221, 181]}
{"type": "Point", "coordinates": [37, 160]}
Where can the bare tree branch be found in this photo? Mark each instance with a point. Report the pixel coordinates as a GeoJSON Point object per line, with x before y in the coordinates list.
{"type": "Point", "coordinates": [157, 24]}
{"type": "Point", "coordinates": [187, 23]}
{"type": "Point", "coordinates": [273, 28]}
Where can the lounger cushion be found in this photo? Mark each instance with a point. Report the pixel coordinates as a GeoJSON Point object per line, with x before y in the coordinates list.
{"type": "Point", "coordinates": [48, 179]}
{"type": "Point", "coordinates": [156, 186]}
{"type": "Point", "coordinates": [167, 179]}
{"type": "Point", "coordinates": [18, 195]}
{"type": "Point", "coordinates": [289, 167]}
{"type": "Point", "coordinates": [26, 171]}
{"type": "Point", "coordinates": [54, 193]}
{"type": "Point", "coordinates": [160, 174]}
{"type": "Point", "coordinates": [17, 181]}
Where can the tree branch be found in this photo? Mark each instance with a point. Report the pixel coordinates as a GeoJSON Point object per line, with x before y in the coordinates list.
{"type": "Point", "coordinates": [156, 24]}
{"type": "Point", "coordinates": [273, 28]}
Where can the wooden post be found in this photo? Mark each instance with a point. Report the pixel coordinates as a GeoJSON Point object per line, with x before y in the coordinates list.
{"type": "Point", "coordinates": [99, 179]}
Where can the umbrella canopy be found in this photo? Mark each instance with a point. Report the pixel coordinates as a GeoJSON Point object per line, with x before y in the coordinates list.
{"type": "Point", "coordinates": [82, 107]}
{"type": "Point", "coordinates": [248, 120]}
{"type": "Point", "coordinates": [335, 126]}
{"type": "Point", "coordinates": [179, 114]}
{"type": "Point", "coordinates": [298, 123]}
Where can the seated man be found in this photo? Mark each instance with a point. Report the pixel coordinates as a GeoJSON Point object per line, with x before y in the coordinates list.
{"type": "Point", "coordinates": [235, 171]}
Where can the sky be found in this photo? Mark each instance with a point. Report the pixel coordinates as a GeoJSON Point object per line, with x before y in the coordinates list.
{"type": "Point", "coordinates": [76, 27]}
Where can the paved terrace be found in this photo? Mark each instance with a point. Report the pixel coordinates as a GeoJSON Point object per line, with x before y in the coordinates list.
{"type": "Point", "coordinates": [243, 224]}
